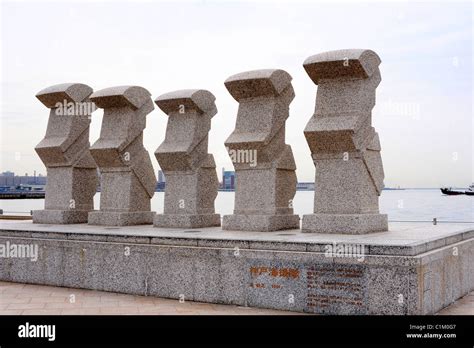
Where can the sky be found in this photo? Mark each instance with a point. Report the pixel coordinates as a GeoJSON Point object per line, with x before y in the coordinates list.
{"type": "Point", "coordinates": [423, 114]}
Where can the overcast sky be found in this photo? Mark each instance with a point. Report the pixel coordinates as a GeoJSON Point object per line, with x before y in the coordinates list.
{"type": "Point", "coordinates": [424, 110]}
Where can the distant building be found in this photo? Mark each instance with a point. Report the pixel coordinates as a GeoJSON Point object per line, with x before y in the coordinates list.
{"type": "Point", "coordinates": [161, 184]}
{"type": "Point", "coordinates": [305, 186]}
{"type": "Point", "coordinates": [228, 179]}
{"type": "Point", "coordinates": [161, 176]}
{"type": "Point", "coordinates": [9, 178]}
{"type": "Point", "coordinates": [228, 182]}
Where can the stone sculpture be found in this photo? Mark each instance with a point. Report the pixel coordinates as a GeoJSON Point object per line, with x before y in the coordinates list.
{"type": "Point", "coordinates": [190, 171]}
{"type": "Point", "coordinates": [71, 170]}
{"type": "Point", "coordinates": [344, 146]}
{"type": "Point", "coordinates": [264, 164]}
{"type": "Point", "coordinates": [127, 177]}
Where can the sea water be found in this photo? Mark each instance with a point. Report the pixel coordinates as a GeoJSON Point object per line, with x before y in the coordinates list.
{"type": "Point", "coordinates": [400, 205]}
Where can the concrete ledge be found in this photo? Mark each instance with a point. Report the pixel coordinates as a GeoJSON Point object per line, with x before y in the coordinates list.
{"type": "Point", "coordinates": [345, 223]}
{"type": "Point", "coordinates": [106, 218]}
{"type": "Point", "coordinates": [267, 223]}
{"type": "Point", "coordinates": [402, 238]}
{"type": "Point", "coordinates": [60, 216]}
{"type": "Point", "coordinates": [286, 270]}
{"type": "Point", "coordinates": [186, 221]}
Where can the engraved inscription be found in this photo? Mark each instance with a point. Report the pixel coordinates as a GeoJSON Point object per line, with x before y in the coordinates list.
{"type": "Point", "coordinates": [333, 288]}
{"type": "Point", "coordinates": [276, 285]}
{"type": "Point", "coordinates": [271, 272]}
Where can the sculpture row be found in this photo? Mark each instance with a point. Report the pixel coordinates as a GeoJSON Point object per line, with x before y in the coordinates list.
{"type": "Point", "coordinates": [345, 149]}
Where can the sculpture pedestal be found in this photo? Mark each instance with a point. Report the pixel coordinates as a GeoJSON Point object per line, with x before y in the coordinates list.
{"type": "Point", "coordinates": [344, 223]}
{"type": "Point", "coordinates": [186, 221]}
{"type": "Point", "coordinates": [60, 216]}
{"type": "Point", "coordinates": [414, 268]}
{"type": "Point", "coordinates": [262, 223]}
{"type": "Point", "coordinates": [121, 218]}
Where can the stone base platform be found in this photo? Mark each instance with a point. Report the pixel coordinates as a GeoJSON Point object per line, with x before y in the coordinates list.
{"type": "Point", "coordinates": [414, 268]}
{"type": "Point", "coordinates": [345, 223]}
{"type": "Point", "coordinates": [106, 218]}
{"type": "Point", "coordinates": [60, 216]}
{"type": "Point", "coordinates": [266, 223]}
{"type": "Point", "coordinates": [186, 221]}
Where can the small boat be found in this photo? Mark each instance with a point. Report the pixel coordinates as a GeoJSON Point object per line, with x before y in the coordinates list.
{"type": "Point", "coordinates": [451, 192]}
{"type": "Point", "coordinates": [470, 190]}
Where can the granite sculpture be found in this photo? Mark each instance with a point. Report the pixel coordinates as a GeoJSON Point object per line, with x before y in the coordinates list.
{"type": "Point", "coordinates": [190, 171]}
{"type": "Point", "coordinates": [264, 164]}
{"type": "Point", "coordinates": [71, 170]}
{"type": "Point", "coordinates": [345, 147]}
{"type": "Point", "coordinates": [127, 176]}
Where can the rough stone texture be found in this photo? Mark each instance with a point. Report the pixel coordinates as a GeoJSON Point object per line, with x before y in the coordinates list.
{"type": "Point", "coordinates": [230, 267]}
{"type": "Point", "coordinates": [345, 147]}
{"type": "Point", "coordinates": [191, 178]}
{"type": "Point", "coordinates": [127, 176]}
{"type": "Point", "coordinates": [344, 223]}
{"type": "Point", "coordinates": [264, 165]}
{"type": "Point", "coordinates": [72, 175]}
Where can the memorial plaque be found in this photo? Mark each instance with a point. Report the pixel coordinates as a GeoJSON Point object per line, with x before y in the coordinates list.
{"type": "Point", "coordinates": [336, 288]}
{"type": "Point", "coordinates": [279, 285]}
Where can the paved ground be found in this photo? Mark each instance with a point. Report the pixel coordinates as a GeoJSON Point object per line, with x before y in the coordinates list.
{"type": "Point", "coordinates": [16, 298]}
{"type": "Point", "coordinates": [463, 306]}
